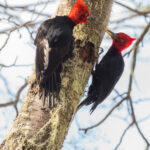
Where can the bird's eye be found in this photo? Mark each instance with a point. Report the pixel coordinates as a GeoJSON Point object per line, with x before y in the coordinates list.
{"type": "Point", "coordinates": [121, 40]}
{"type": "Point", "coordinates": [86, 14]}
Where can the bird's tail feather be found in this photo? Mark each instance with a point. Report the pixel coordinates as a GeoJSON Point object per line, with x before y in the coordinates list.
{"type": "Point", "coordinates": [93, 108]}
{"type": "Point", "coordinates": [89, 100]}
{"type": "Point", "coordinates": [51, 88]}
{"type": "Point", "coordinates": [84, 102]}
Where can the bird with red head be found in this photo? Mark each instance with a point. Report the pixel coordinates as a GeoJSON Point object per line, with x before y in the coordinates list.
{"type": "Point", "coordinates": [54, 42]}
{"type": "Point", "coordinates": [108, 71]}
{"type": "Point", "coordinates": [79, 12]}
{"type": "Point", "coordinates": [120, 40]}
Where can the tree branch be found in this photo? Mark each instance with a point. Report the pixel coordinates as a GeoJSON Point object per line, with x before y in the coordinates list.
{"type": "Point", "coordinates": [135, 48]}
{"type": "Point", "coordinates": [143, 13]}
{"type": "Point", "coordinates": [108, 114]}
{"type": "Point", "coordinates": [131, 81]}
{"type": "Point", "coordinates": [28, 23]}
{"type": "Point", "coordinates": [16, 98]}
{"type": "Point", "coordinates": [122, 136]}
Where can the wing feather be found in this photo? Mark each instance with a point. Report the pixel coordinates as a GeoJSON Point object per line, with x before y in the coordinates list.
{"type": "Point", "coordinates": [54, 43]}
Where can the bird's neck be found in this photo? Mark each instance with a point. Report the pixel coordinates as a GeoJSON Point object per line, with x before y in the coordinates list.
{"type": "Point", "coordinates": [115, 48]}
{"type": "Point", "coordinates": [70, 21]}
{"type": "Point", "coordinates": [64, 20]}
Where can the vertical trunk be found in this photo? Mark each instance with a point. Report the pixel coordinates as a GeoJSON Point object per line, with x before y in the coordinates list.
{"type": "Point", "coordinates": [35, 128]}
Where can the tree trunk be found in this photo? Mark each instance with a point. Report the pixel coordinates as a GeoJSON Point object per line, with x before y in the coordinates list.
{"type": "Point", "coordinates": [39, 129]}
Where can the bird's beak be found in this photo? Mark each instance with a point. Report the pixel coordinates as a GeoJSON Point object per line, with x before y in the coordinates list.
{"type": "Point", "coordinates": [112, 34]}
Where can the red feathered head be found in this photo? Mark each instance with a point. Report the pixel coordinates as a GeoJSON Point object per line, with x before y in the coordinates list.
{"type": "Point", "coordinates": [121, 40]}
{"type": "Point", "coordinates": [79, 12]}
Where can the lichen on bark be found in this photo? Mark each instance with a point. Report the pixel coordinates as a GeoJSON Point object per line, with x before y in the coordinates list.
{"type": "Point", "coordinates": [39, 129]}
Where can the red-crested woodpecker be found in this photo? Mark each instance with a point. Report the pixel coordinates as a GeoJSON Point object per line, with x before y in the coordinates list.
{"type": "Point", "coordinates": [108, 71]}
{"type": "Point", "coordinates": [54, 42]}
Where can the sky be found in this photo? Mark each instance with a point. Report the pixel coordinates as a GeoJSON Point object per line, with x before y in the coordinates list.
{"type": "Point", "coordinates": [108, 134]}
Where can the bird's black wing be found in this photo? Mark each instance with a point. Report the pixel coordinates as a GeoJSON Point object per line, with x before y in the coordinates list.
{"type": "Point", "coordinates": [41, 44]}
{"type": "Point", "coordinates": [104, 78]}
{"type": "Point", "coordinates": [61, 43]}
{"type": "Point", "coordinates": [54, 42]}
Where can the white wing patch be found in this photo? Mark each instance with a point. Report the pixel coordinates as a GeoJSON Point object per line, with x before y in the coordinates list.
{"type": "Point", "coordinates": [46, 50]}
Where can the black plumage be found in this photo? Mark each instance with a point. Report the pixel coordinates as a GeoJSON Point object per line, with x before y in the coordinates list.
{"type": "Point", "coordinates": [104, 78]}
{"type": "Point", "coordinates": [108, 71]}
{"type": "Point", "coordinates": [54, 43]}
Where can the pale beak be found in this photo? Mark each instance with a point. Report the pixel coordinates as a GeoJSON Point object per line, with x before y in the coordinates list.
{"type": "Point", "coordinates": [112, 34]}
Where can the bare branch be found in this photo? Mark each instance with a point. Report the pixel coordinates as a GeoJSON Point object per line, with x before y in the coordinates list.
{"type": "Point", "coordinates": [16, 98]}
{"type": "Point", "coordinates": [28, 23]}
{"type": "Point", "coordinates": [119, 95]}
{"type": "Point", "coordinates": [26, 6]}
{"type": "Point", "coordinates": [6, 41]}
{"type": "Point", "coordinates": [135, 56]}
{"type": "Point", "coordinates": [136, 124]}
{"type": "Point", "coordinates": [7, 104]}
{"type": "Point", "coordinates": [131, 81]}
{"type": "Point", "coordinates": [109, 113]}
{"type": "Point", "coordinates": [143, 13]}
{"type": "Point", "coordinates": [14, 64]}
{"type": "Point", "coordinates": [122, 136]}
{"type": "Point", "coordinates": [139, 40]}
{"type": "Point", "coordinates": [124, 19]}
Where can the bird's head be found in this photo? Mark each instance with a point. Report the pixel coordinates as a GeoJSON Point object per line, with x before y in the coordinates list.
{"type": "Point", "coordinates": [121, 40]}
{"type": "Point", "coordinates": [79, 12]}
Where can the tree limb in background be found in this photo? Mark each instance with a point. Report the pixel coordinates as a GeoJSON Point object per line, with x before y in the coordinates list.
{"type": "Point", "coordinates": [14, 19]}
{"type": "Point", "coordinates": [135, 48]}
{"type": "Point", "coordinates": [17, 98]}
{"type": "Point", "coordinates": [108, 114]}
{"type": "Point", "coordinates": [143, 13]}
{"type": "Point", "coordinates": [6, 41]}
{"type": "Point", "coordinates": [14, 64]}
{"type": "Point", "coordinates": [138, 41]}
{"type": "Point", "coordinates": [123, 134]}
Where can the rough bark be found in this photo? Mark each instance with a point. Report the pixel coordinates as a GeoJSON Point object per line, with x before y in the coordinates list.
{"type": "Point", "coordinates": [35, 128]}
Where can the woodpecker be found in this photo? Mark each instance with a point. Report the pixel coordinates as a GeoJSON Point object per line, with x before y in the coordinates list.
{"type": "Point", "coordinates": [108, 71]}
{"type": "Point", "coordinates": [54, 45]}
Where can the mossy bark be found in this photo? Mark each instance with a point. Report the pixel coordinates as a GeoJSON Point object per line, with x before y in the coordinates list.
{"type": "Point", "coordinates": [37, 129]}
